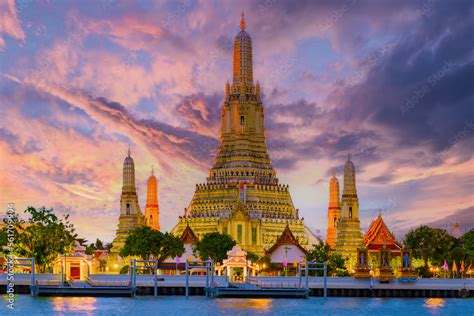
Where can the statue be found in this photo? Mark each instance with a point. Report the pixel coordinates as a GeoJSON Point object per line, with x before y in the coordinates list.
{"type": "Point", "coordinates": [362, 269]}
{"type": "Point", "coordinates": [362, 259]}
{"type": "Point", "coordinates": [384, 271]}
{"type": "Point", "coordinates": [406, 260]}
{"type": "Point", "coordinates": [407, 273]}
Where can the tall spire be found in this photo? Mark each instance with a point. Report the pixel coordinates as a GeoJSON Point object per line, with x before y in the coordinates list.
{"type": "Point", "coordinates": [334, 211]}
{"type": "Point", "coordinates": [128, 152]}
{"type": "Point", "coordinates": [128, 174]}
{"type": "Point", "coordinates": [349, 177]}
{"type": "Point", "coordinates": [152, 211]}
{"type": "Point", "coordinates": [243, 72]}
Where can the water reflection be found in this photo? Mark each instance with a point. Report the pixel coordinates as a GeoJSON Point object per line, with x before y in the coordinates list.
{"type": "Point", "coordinates": [434, 304]}
{"type": "Point", "coordinates": [257, 304]}
{"type": "Point", "coordinates": [86, 305]}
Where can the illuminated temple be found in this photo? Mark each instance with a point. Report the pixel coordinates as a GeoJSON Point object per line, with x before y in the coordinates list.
{"type": "Point", "coordinates": [242, 196]}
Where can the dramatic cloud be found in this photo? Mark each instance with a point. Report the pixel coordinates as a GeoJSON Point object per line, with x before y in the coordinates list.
{"type": "Point", "coordinates": [389, 82]}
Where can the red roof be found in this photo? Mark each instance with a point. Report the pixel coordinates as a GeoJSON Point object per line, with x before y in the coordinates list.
{"type": "Point", "coordinates": [378, 235]}
{"type": "Point", "coordinates": [286, 238]}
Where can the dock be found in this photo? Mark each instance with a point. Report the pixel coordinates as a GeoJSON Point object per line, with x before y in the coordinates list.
{"type": "Point", "coordinates": [246, 290]}
{"type": "Point", "coordinates": [119, 285]}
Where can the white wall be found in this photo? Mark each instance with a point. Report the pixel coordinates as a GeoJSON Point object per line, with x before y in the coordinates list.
{"type": "Point", "coordinates": [293, 254]}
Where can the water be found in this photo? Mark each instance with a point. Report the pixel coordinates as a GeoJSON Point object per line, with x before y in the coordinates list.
{"type": "Point", "coordinates": [176, 305]}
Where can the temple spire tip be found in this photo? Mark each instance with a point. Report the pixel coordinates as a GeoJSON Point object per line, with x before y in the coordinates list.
{"type": "Point", "coordinates": [242, 22]}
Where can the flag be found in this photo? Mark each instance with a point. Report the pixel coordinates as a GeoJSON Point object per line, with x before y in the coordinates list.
{"type": "Point", "coordinates": [455, 267]}
{"type": "Point", "coordinates": [445, 265]}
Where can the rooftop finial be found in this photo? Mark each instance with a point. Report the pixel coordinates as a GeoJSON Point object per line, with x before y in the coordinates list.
{"type": "Point", "coordinates": [348, 156]}
{"type": "Point", "coordinates": [128, 150]}
{"type": "Point", "coordinates": [152, 173]}
{"type": "Point", "coordinates": [242, 22]}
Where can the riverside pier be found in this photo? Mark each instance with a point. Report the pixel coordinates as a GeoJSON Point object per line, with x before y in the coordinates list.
{"type": "Point", "coordinates": [119, 285]}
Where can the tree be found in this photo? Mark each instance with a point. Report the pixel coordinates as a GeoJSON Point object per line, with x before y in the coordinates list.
{"type": "Point", "coordinates": [214, 245]}
{"type": "Point", "coordinates": [146, 242]}
{"type": "Point", "coordinates": [99, 245]}
{"type": "Point", "coordinates": [252, 256]}
{"type": "Point", "coordinates": [322, 252]}
{"type": "Point", "coordinates": [431, 244]}
{"type": "Point", "coordinates": [44, 237]}
{"type": "Point", "coordinates": [467, 241]}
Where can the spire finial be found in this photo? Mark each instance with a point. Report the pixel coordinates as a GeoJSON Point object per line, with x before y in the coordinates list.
{"type": "Point", "coordinates": [152, 171]}
{"type": "Point", "coordinates": [242, 22]}
{"type": "Point", "coordinates": [128, 151]}
{"type": "Point", "coordinates": [334, 174]}
{"type": "Point", "coordinates": [349, 157]}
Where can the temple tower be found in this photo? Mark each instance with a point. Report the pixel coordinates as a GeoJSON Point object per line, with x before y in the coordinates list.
{"type": "Point", "coordinates": [242, 196]}
{"type": "Point", "coordinates": [334, 211]}
{"type": "Point", "coordinates": [130, 213]}
{"type": "Point", "coordinates": [349, 236]}
{"type": "Point", "coordinates": [152, 210]}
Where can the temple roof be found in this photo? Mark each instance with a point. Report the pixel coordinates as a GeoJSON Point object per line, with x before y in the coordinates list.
{"type": "Point", "coordinates": [188, 236]}
{"type": "Point", "coordinates": [286, 238]}
{"type": "Point", "coordinates": [378, 235]}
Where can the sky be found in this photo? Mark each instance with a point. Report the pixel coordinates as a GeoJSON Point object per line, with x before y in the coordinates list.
{"type": "Point", "coordinates": [391, 82]}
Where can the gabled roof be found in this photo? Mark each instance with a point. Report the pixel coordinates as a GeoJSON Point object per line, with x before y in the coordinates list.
{"type": "Point", "coordinates": [378, 235]}
{"type": "Point", "coordinates": [188, 236]}
{"type": "Point", "coordinates": [286, 238]}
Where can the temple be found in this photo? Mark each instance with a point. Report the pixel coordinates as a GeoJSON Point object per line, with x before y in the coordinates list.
{"type": "Point", "coordinates": [152, 210]}
{"type": "Point", "coordinates": [334, 211]}
{"type": "Point", "coordinates": [378, 235]}
{"type": "Point", "coordinates": [349, 236]}
{"type": "Point", "coordinates": [242, 196]}
{"type": "Point", "coordinates": [130, 213]}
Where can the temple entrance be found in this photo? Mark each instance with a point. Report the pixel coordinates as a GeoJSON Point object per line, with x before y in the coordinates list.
{"type": "Point", "coordinates": [75, 272]}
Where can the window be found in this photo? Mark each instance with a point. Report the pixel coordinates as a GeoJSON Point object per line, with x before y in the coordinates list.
{"type": "Point", "coordinates": [254, 235]}
{"type": "Point", "coordinates": [151, 219]}
{"type": "Point", "coordinates": [239, 233]}
{"type": "Point", "coordinates": [350, 212]}
{"type": "Point", "coordinates": [128, 209]}
{"type": "Point", "coordinates": [334, 221]}
{"type": "Point", "coordinates": [242, 120]}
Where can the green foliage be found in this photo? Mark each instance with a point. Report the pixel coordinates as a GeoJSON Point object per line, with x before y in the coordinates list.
{"type": "Point", "coordinates": [44, 237]}
{"type": "Point", "coordinates": [146, 242]}
{"type": "Point", "coordinates": [252, 256]}
{"type": "Point", "coordinates": [3, 239]}
{"type": "Point", "coordinates": [433, 244]}
{"type": "Point", "coordinates": [124, 270]}
{"type": "Point", "coordinates": [214, 245]}
{"type": "Point", "coordinates": [98, 245]}
{"type": "Point", "coordinates": [323, 253]}
{"type": "Point", "coordinates": [467, 241]}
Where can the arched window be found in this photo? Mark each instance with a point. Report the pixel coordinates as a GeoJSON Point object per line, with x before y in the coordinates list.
{"type": "Point", "coordinates": [128, 209]}
{"type": "Point", "coordinates": [350, 212]}
{"type": "Point", "coordinates": [151, 219]}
